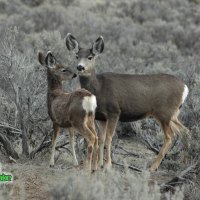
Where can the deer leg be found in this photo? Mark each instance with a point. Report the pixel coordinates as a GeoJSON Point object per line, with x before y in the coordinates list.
{"type": "Point", "coordinates": [185, 131]}
{"type": "Point", "coordinates": [112, 123]}
{"type": "Point", "coordinates": [55, 135]}
{"type": "Point", "coordinates": [185, 139]}
{"type": "Point", "coordinates": [179, 124]}
{"type": "Point", "coordinates": [90, 138]}
{"type": "Point", "coordinates": [91, 126]}
{"type": "Point", "coordinates": [90, 148]}
{"type": "Point", "coordinates": [165, 148]}
{"type": "Point", "coordinates": [186, 135]}
{"type": "Point", "coordinates": [71, 138]}
{"type": "Point", "coordinates": [102, 137]}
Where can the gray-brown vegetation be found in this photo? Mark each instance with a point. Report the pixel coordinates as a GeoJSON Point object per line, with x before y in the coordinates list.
{"type": "Point", "coordinates": [141, 37]}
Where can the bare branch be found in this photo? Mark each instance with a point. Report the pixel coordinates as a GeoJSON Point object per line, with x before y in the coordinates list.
{"type": "Point", "coordinates": [45, 144]}
{"type": "Point", "coordinates": [149, 144]}
{"type": "Point", "coordinates": [129, 153]}
{"type": "Point", "coordinates": [62, 145]}
{"type": "Point", "coordinates": [12, 159]}
{"type": "Point", "coordinates": [128, 166]}
{"type": "Point", "coordinates": [6, 125]}
{"type": "Point", "coordinates": [178, 180]}
{"type": "Point", "coordinates": [41, 146]}
{"type": "Point", "coordinates": [8, 146]}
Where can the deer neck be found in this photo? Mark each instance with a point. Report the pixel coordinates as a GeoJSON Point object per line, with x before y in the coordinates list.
{"type": "Point", "coordinates": [54, 85]}
{"type": "Point", "coordinates": [90, 82]}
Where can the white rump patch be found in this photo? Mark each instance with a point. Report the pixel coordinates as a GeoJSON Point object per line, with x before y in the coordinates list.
{"type": "Point", "coordinates": [89, 104]}
{"type": "Point", "coordinates": [185, 93]}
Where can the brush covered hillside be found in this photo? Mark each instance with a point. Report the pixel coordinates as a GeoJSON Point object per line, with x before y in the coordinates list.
{"type": "Point", "coordinates": [141, 37]}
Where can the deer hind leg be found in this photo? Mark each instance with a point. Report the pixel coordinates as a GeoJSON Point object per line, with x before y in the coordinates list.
{"type": "Point", "coordinates": [102, 137]}
{"type": "Point", "coordinates": [179, 124]}
{"type": "Point", "coordinates": [186, 132]}
{"type": "Point", "coordinates": [112, 123]}
{"type": "Point", "coordinates": [90, 138]}
{"type": "Point", "coordinates": [169, 135]}
{"type": "Point", "coordinates": [55, 135]}
{"type": "Point", "coordinates": [71, 138]}
{"type": "Point", "coordinates": [185, 138]}
{"type": "Point", "coordinates": [91, 126]}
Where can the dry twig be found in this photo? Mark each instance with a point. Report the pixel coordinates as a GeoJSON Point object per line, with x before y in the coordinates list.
{"type": "Point", "coordinates": [128, 166]}
{"type": "Point", "coordinates": [8, 147]}
{"type": "Point", "coordinates": [129, 153]}
{"type": "Point", "coordinates": [178, 180]}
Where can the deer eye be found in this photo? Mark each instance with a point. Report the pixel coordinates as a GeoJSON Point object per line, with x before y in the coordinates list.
{"type": "Point", "coordinates": [90, 58]}
{"type": "Point", "coordinates": [63, 70]}
{"type": "Point", "coordinates": [77, 57]}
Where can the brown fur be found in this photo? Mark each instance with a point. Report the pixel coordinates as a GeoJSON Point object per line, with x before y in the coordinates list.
{"type": "Point", "coordinates": [132, 97]}
{"type": "Point", "coordinates": [127, 98]}
{"type": "Point", "coordinates": [66, 111]}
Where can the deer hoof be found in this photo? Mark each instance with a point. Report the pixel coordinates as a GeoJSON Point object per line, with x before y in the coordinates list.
{"type": "Point", "coordinates": [153, 168]}
{"type": "Point", "coordinates": [107, 167]}
{"type": "Point", "coordinates": [51, 165]}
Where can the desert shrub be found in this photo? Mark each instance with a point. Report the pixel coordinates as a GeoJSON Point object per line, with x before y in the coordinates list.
{"type": "Point", "coordinates": [112, 186]}
{"type": "Point", "coordinates": [32, 3]}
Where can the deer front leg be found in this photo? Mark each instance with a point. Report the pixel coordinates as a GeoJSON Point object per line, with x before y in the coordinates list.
{"type": "Point", "coordinates": [91, 126]}
{"type": "Point", "coordinates": [54, 138]}
{"type": "Point", "coordinates": [90, 138]}
{"type": "Point", "coordinates": [102, 137]}
{"type": "Point", "coordinates": [112, 123]}
{"type": "Point", "coordinates": [71, 138]}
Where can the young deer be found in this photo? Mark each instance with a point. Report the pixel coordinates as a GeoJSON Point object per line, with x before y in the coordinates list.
{"type": "Point", "coordinates": [75, 110]}
{"type": "Point", "coordinates": [126, 98]}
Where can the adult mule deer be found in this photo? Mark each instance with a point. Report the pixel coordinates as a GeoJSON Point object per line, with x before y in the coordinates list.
{"type": "Point", "coordinates": [75, 110]}
{"type": "Point", "coordinates": [126, 98]}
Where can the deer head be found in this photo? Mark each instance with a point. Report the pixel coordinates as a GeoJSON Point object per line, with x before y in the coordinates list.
{"type": "Point", "coordinates": [85, 57]}
{"type": "Point", "coordinates": [55, 68]}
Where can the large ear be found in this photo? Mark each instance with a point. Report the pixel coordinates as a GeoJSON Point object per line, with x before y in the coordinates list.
{"type": "Point", "coordinates": [71, 43]}
{"type": "Point", "coordinates": [41, 58]}
{"type": "Point", "coordinates": [50, 60]}
{"type": "Point", "coordinates": [98, 46]}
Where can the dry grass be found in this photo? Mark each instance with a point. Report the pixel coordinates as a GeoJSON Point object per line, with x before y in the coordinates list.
{"type": "Point", "coordinates": [34, 180]}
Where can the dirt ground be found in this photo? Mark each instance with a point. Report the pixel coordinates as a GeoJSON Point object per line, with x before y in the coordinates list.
{"type": "Point", "coordinates": [33, 179]}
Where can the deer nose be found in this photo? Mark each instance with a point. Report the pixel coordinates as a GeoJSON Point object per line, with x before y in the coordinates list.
{"type": "Point", "coordinates": [74, 76]}
{"type": "Point", "coordinates": [80, 67]}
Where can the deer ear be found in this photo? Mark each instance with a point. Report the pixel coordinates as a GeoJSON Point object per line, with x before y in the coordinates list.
{"type": "Point", "coordinates": [41, 58]}
{"type": "Point", "coordinates": [71, 43]}
{"type": "Point", "coordinates": [98, 45]}
{"type": "Point", "coordinates": [50, 60]}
